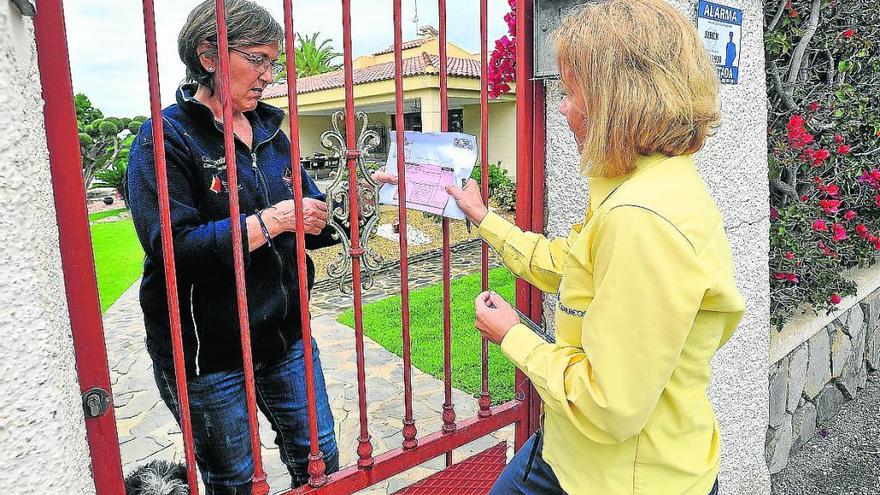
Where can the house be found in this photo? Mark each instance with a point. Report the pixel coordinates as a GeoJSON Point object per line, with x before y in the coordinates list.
{"type": "Point", "coordinates": [319, 96]}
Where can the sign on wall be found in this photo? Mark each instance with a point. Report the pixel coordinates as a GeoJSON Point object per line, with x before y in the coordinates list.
{"type": "Point", "coordinates": [720, 27]}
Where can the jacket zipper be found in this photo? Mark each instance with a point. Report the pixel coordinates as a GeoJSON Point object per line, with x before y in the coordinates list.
{"type": "Point", "coordinates": [261, 181]}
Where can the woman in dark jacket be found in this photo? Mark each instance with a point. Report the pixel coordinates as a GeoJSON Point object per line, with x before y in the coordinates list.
{"type": "Point", "coordinates": [202, 232]}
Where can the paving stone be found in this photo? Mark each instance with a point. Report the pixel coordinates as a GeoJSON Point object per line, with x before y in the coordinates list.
{"type": "Point", "coordinates": [855, 321]}
{"type": "Point", "coordinates": [819, 367]}
{"type": "Point", "coordinates": [778, 389]}
{"type": "Point", "coordinates": [803, 424]}
{"type": "Point", "coordinates": [779, 441]}
{"type": "Point", "coordinates": [797, 376]}
{"type": "Point", "coordinates": [828, 402]}
{"type": "Point", "coordinates": [841, 350]}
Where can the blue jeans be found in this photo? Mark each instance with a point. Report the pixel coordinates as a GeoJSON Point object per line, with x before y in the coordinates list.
{"type": "Point", "coordinates": [540, 481]}
{"type": "Point", "coordinates": [221, 433]}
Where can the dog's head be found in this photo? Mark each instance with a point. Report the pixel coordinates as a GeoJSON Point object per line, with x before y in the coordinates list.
{"type": "Point", "coordinates": [157, 478]}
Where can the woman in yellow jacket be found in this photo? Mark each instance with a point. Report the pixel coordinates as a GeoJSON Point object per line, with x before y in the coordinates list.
{"type": "Point", "coordinates": [645, 284]}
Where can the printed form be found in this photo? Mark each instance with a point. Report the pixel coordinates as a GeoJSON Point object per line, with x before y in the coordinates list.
{"type": "Point", "coordinates": [432, 162]}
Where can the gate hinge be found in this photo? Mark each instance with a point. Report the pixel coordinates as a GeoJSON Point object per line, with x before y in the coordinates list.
{"type": "Point", "coordinates": [95, 402]}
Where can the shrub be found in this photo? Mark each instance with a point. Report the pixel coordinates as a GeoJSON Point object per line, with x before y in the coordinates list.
{"type": "Point", "coordinates": [823, 68]}
{"type": "Point", "coordinates": [501, 188]}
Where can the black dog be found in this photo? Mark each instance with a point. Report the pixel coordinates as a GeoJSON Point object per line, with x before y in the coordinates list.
{"type": "Point", "coordinates": [157, 478]}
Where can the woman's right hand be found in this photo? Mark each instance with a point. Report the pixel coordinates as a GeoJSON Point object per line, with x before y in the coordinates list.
{"type": "Point", "coordinates": [469, 200]}
{"type": "Point", "coordinates": [314, 215]}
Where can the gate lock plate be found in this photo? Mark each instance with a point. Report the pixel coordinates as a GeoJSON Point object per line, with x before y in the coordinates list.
{"type": "Point", "coordinates": [95, 402]}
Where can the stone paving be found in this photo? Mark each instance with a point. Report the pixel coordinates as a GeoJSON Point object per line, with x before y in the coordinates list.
{"type": "Point", "coordinates": [147, 430]}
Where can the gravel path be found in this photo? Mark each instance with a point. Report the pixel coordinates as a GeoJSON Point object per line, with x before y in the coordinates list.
{"type": "Point", "coordinates": [847, 460]}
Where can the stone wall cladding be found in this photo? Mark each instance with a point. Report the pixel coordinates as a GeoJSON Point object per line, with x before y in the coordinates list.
{"type": "Point", "coordinates": [808, 386]}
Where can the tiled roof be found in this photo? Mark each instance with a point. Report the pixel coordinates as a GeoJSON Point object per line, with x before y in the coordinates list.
{"type": "Point", "coordinates": [406, 45]}
{"type": "Point", "coordinates": [414, 66]}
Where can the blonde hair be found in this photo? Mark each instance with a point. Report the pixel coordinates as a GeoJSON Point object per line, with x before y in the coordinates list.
{"type": "Point", "coordinates": [644, 80]}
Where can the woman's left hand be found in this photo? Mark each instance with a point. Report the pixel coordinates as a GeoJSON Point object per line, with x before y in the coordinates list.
{"type": "Point", "coordinates": [495, 316]}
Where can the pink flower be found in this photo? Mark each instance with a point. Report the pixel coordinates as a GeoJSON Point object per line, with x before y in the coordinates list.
{"type": "Point", "coordinates": [789, 255]}
{"type": "Point", "coordinates": [796, 121]}
{"type": "Point", "coordinates": [843, 149]}
{"type": "Point", "coordinates": [819, 225]}
{"type": "Point", "coordinates": [791, 277]}
{"type": "Point", "coordinates": [832, 190]}
{"type": "Point", "coordinates": [835, 298]}
{"type": "Point", "coordinates": [849, 33]}
{"type": "Point", "coordinates": [862, 231]}
{"type": "Point", "coordinates": [774, 213]}
{"type": "Point", "coordinates": [831, 206]}
{"type": "Point", "coordinates": [849, 215]}
{"type": "Point", "coordinates": [780, 275]}
{"type": "Point", "coordinates": [839, 232]}
{"type": "Point", "coordinates": [813, 106]}
{"type": "Point", "coordinates": [804, 197]}
{"type": "Point", "coordinates": [838, 138]}
{"type": "Point", "coordinates": [877, 200]}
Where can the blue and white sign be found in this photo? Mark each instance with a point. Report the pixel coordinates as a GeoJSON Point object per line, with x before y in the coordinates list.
{"type": "Point", "coordinates": [721, 29]}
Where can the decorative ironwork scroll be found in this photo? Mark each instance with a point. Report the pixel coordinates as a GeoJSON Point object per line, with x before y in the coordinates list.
{"type": "Point", "coordinates": [338, 201]}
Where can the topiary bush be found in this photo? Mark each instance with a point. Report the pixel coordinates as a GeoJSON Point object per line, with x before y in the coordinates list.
{"type": "Point", "coordinates": [823, 79]}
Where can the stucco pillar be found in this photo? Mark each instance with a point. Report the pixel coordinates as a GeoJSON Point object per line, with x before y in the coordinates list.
{"type": "Point", "coordinates": [41, 420]}
{"type": "Point", "coordinates": [734, 166]}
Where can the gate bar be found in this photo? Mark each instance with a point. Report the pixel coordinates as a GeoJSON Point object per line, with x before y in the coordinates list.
{"type": "Point", "coordinates": [77, 260]}
{"type": "Point", "coordinates": [316, 456]}
{"type": "Point", "coordinates": [524, 148]}
{"type": "Point", "coordinates": [485, 399]}
{"type": "Point", "coordinates": [168, 261]}
{"type": "Point", "coordinates": [260, 486]}
{"type": "Point", "coordinates": [448, 415]}
{"type": "Point", "coordinates": [409, 428]}
{"type": "Point", "coordinates": [365, 448]}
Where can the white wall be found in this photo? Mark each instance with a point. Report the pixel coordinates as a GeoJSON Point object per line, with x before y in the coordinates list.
{"type": "Point", "coordinates": [734, 166]}
{"type": "Point", "coordinates": [41, 419]}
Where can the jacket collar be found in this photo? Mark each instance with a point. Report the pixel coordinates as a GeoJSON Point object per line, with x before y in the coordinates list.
{"type": "Point", "coordinates": [602, 187]}
{"type": "Point", "coordinates": [265, 119]}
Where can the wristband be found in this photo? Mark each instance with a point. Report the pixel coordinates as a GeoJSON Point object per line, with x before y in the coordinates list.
{"type": "Point", "coordinates": [259, 215]}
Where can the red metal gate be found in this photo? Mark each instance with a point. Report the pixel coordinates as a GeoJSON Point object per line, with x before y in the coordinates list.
{"type": "Point", "coordinates": [82, 290]}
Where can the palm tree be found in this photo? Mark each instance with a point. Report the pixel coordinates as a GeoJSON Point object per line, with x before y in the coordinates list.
{"type": "Point", "coordinates": [312, 57]}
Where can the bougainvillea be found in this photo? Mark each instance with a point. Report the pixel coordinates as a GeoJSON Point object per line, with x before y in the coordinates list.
{"type": "Point", "coordinates": [823, 78]}
{"type": "Point", "coordinates": [502, 62]}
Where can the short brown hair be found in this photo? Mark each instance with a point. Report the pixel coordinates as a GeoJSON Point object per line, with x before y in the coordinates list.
{"type": "Point", "coordinates": [645, 81]}
{"type": "Point", "coordinates": [247, 24]}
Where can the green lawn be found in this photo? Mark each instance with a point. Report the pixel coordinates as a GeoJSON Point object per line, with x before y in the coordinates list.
{"type": "Point", "coordinates": [382, 324]}
{"type": "Point", "coordinates": [118, 256]}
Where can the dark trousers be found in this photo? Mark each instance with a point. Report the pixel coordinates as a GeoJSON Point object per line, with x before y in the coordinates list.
{"type": "Point", "coordinates": [540, 479]}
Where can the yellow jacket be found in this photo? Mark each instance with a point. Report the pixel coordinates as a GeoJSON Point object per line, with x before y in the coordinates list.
{"type": "Point", "coordinates": [646, 295]}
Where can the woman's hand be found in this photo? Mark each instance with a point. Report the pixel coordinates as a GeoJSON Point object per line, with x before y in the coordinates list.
{"type": "Point", "coordinates": [495, 316]}
{"type": "Point", "coordinates": [283, 214]}
{"type": "Point", "coordinates": [383, 177]}
{"type": "Point", "coordinates": [469, 200]}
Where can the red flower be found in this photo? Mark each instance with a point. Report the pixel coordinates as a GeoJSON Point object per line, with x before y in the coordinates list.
{"type": "Point", "coordinates": [780, 275]}
{"type": "Point", "coordinates": [849, 33]}
{"type": "Point", "coordinates": [789, 255]}
{"type": "Point", "coordinates": [832, 190]}
{"type": "Point", "coordinates": [804, 197]}
{"type": "Point", "coordinates": [819, 225]}
{"type": "Point", "coordinates": [839, 232]}
{"type": "Point", "coordinates": [820, 157]}
{"type": "Point", "coordinates": [774, 213]}
{"type": "Point", "coordinates": [843, 149]}
{"type": "Point", "coordinates": [835, 299]}
{"type": "Point", "coordinates": [813, 106]}
{"type": "Point", "coordinates": [877, 200]}
{"type": "Point", "coordinates": [793, 13]}
{"type": "Point", "coordinates": [796, 121]}
{"type": "Point", "coordinates": [831, 206]}
{"type": "Point", "coordinates": [849, 215]}
{"type": "Point", "coordinates": [792, 278]}
{"type": "Point", "coordinates": [862, 230]}
{"type": "Point", "coordinates": [838, 138]}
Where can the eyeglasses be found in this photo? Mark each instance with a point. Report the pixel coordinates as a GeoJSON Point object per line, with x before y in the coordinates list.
{"type": "Point", "coordinates": [260, 63]}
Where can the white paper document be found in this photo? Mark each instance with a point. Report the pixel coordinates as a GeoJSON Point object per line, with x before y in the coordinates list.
{"type": "Point", "coordinates": [433, 161]}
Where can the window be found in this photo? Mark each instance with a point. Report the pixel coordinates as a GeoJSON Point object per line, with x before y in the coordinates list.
{"type": "Point", "coordinates": [411, 122]}
{"type": "Point", "coordinates": [456, 120]}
